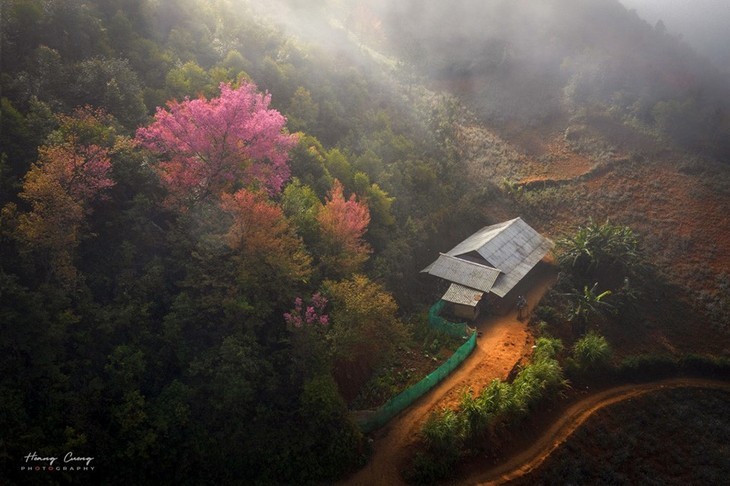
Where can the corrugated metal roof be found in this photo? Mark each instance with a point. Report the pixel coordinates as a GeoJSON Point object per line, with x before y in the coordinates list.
{"type": "Point", "coordinates": [458, 294]}
{"type": "Point", "coordinates": [512, 248]}
{"type": "Point", "coordinates": [506, 281]}
{"type": "Point", "coordinates": [457, 270]}
{"type": "Point", "coordinates": [479, 239]}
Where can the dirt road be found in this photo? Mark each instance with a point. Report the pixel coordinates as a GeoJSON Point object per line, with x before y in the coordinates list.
{"type": "Point", "coordinates": [531, 458]}
{"type": "Point", "coordinates": [504, 342]}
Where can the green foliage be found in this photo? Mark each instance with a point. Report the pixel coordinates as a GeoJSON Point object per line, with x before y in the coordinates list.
{"type": "Point", "coordinates": [171, 346]}
{"type": "Point", "coordinates": [301, 205]}
{"type": "Point", "coordinates": [540, 380]}
{"type": "Point", "coordinates": [333, 443]}
{"type": "Point", "coordinates": [447, 434]}
{"type": "Point", "coordinates": [600, 248]}
{"type": "Point", "coordinates": [588, 304]}
{"type": "Point", "coordinates": [443, 433]}
{"type": "Point", "coordinates": [592, 351]}
{"type": "Point", "coordinates": [365, 327]}
{"type": "Point", "coordinates": [303, 111]}
{"type": "Point", "coordinates": [112, 85]}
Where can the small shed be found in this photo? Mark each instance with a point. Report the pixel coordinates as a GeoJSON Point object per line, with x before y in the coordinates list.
{"type": "Point", "coordinates": [488, 265]}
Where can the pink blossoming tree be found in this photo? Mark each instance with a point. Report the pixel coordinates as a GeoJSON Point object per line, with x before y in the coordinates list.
{"type": "Point", "coordinates": [213, 146]}
{"type": "Point", "coordinates": [308, 315]}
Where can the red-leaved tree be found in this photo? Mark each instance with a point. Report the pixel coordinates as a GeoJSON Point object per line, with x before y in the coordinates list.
{"type": "Point", "coordinates": [268, 249]}
{"type": "Point", "coordinates": [342, 223]}
{"type": "Point", "coordinates": [60, 187]}
{"type": "Point", "coordinates": [210, 146]}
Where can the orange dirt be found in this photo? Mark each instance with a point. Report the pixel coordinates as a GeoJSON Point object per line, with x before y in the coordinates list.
{"type": "Point", "coordinates": [560, 162]}
{"type": "Point", "coordinates": [504, 342]}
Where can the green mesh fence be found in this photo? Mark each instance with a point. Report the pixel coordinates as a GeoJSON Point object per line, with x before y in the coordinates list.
{"type": "Point", "coordinates": [437, 322]}
{"type": "Point", "coordinates": [410, 395]}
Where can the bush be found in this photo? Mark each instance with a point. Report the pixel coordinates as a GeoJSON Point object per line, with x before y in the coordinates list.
{"type": "Point", "coordinates": [600, 248]}
{"type": "Point", "coordinates": [476, 415]}
{"type": "Point", "coordinates": [706, 365]}
{"type": "Point", "coordinates": [647, 367]}
{"type": "Point", "coordinates": [538, 381]}
{"type": "Point", "coordinates": [427, 469]}
{"type": "Point", "coordinates": [591, 352]}
{"type": "Point", "coordinates": [448, 433]}
{"type": "Point", "coordinates": [443, 433]}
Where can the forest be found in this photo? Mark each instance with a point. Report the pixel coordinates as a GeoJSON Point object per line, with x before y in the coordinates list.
{"type": "Point", "coordinates": [213, 215]}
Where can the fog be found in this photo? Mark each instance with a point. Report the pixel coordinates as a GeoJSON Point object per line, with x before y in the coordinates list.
{"type": "Point", "coordinates": [704, 24]}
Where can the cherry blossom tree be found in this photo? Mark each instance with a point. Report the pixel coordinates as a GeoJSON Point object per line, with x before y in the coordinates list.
{"type": "Point", "coordinates": [208, 147]}
{"type": "Point", "coordinates": [308, 315]}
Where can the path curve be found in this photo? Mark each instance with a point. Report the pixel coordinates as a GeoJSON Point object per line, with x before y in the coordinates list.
{"type": "Point", "coordinates": [505, 340]}
{"type": "Point", "coordinates": [576, 415]}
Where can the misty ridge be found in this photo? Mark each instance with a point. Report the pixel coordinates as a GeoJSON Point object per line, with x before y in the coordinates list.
{"type": "Point", "coordinates": [701, 23]}
{"type": "Point", "coordinates": [527, 62]}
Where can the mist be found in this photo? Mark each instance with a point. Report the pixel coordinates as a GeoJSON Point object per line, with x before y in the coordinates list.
{"type": "Point", "coordinates": [703, 24]}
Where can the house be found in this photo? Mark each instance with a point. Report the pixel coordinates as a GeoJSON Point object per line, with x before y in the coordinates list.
{"type": "Point", "coordinates": [488, 266]}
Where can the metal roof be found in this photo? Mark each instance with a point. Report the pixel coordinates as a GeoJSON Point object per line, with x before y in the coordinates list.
{"type": "Point", "coordinates": [506, 281]}
{"type": "Point", "coordinates": [464, 272]}
{"type": "Point", "coordinates": [512, 248]}
{"type": "Point", "coordinates": [478, 239]}
{"type": "Point", "coordinates": [458, 294]}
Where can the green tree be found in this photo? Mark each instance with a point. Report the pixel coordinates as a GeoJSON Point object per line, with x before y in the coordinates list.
{"type": "Point", "coordinates": [110, 84]}
{"type": "Point", "coordinates": [365, 329]}
{"type": "Point", "coordinates": [301, 205]}
{"type": "Point", "coordinates": [303, 111]}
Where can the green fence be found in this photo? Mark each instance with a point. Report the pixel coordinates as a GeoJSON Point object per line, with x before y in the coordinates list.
{"type": "Point", "coordinates": [437, 322]}
{"type": "Point", "coordinates": [410, 395]}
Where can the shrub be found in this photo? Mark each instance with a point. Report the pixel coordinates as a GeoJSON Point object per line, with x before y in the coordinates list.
{"type": "Point", "coordinates": [600, 247]}
{"type": "Point", "coordinates": [547, 348]}
{"type": "Point", "coordinates": [447, 433]}
{"type": "Point", "coordinates": [647, 367]}
{"type": "Point", "coordinates": [537, 381]}
{"type": "Point", "coordinates": [591, 352]}
{"type": "Point", "coordinates": [476, 416]}
{"type": "Point", "coordinates": [443, 433]}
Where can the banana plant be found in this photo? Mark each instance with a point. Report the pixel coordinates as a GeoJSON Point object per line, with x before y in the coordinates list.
{"type": "Point", "coordinates": [589, 303]}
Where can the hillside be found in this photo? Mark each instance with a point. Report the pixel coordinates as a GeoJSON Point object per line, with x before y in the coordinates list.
{"type": "Point", "coordinates": [213, 214]}
{"type": "Point", "coordinates": [573, 138]}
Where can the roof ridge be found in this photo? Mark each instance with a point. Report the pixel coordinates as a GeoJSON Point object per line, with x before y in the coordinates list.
{"type": "Point", "coordinates": [470, 262]}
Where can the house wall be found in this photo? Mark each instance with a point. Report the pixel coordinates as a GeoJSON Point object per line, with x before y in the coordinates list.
{"type": "Point", "coordinates": [502, 306]}
{"type": "Point", "coordinates": [497, 305]}
{"type": "Point", "coordinates": [463, 311]}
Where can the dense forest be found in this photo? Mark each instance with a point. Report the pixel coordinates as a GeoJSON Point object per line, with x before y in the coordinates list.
{"type": "Point", "coordinates": [198, 229]}
{"type": "Point", "coordinates": [213, 220]}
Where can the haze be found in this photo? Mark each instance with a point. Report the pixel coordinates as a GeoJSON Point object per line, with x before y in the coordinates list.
{"type": "Point", "coordinates": [702, 23]}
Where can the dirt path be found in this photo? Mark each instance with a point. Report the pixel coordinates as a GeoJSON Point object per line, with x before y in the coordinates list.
{"type": "Point", "coordinates": [531, 458]}
{"type": "Point", "coordinates": [503, 343]}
